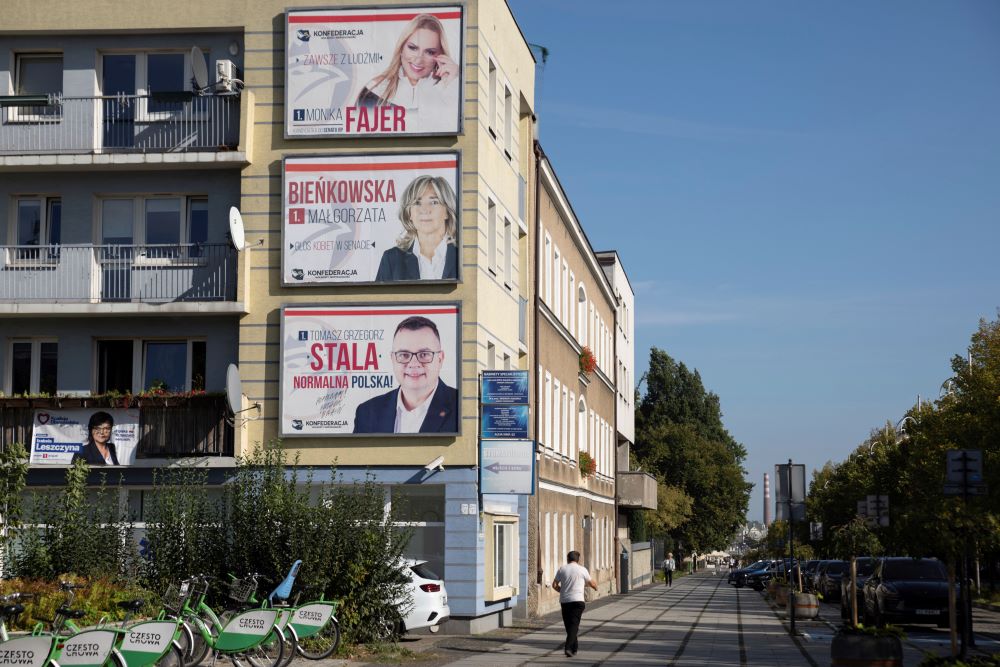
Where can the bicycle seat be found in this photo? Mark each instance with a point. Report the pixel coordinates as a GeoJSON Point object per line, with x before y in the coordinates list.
{"type": "Point", "coordinates": [70, 613]}
{"type": "Point", "coordinates": [8, 610]}
{"type": "Point", "coordinates": [131, 605]}
{"type": "Point", "coordinates": [284, 589]}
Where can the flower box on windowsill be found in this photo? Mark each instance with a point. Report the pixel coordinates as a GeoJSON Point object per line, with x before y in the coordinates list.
{"type": "Point", "coordinates": [109, 400]}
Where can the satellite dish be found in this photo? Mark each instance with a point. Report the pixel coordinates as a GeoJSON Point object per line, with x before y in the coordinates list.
{"type": "Point", "coordinates": [199, 70]}
{"type": "Point", "coordinates": [234, 395]}
{"type": "Point", "coordinates": [234, 389]}
{"type": "Point", "coordinates": [236, 232]}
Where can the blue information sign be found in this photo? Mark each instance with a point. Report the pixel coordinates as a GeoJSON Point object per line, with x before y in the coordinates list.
{"type": "Point", "coordinates": [504, 421]}
{"type": "Point", "coordinates": [505, 387]}
{"type": "Point", "coordinates": [507, 466]}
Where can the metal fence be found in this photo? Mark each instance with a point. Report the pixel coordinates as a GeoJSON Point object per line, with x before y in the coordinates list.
{"type": "Point", "coordinates": [123, 124]}
{"type": "Point", "coordinates": [118, 273]}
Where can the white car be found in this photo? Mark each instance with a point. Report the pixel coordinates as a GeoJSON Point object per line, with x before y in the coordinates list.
{"type": "Point", "coordinates": [430, 600]}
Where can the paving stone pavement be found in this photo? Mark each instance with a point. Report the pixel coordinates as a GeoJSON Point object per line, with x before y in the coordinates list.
{"type": "Point", "coordinates": [700, 621]}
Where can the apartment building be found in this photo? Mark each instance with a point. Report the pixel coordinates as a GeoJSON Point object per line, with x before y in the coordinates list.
{"type": "Point", "coordinates": [574, 508]}
{"type": "Point", "coordinates": [348, 137]}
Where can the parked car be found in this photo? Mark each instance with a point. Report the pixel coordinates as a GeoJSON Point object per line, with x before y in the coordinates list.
{"type": "Point", "coordinates": [817, 573]}
{"type": "Point", "coordinates": [912, 590]}
{"type": "Point", "coordinates": [429, 607]}
{"type": "Point", "coordinates": [757, 579]}
{"type": "Point", "coordinates": [864, 566]}
{"type": "Point", "coordinates": [738, 577]}
{"type": "Point", "coordinates": [829, 581]}
{"type": "Point", "coordinates": [808, 568]}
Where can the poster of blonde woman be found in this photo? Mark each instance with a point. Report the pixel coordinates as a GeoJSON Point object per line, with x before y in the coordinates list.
{"type": "Point", "coordinates": [370, 218]}
{"type": "Point", "coordinates": [373, 71]}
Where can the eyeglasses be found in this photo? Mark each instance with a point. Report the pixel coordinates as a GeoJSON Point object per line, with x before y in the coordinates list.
{"type": "Point", "coordinates": [432, 204]}
{"type": "Point", "coordinates": [101, 429]}
{"type": "Point", "coordinates": [423, 356]}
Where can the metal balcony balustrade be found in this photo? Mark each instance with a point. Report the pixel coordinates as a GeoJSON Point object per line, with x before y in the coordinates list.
{"type": "Point", "coordinates": [192, 427]}
{"type": "Point", "coordinates": [118, 273]}
{"type": "Point", "coordinates": [168, 123]}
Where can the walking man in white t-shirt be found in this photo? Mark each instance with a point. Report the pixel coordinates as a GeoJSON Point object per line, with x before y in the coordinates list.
{"type": "Point", "coordinates": [669, 565]}
{"type": "Point", "coordinates": [570, 582]}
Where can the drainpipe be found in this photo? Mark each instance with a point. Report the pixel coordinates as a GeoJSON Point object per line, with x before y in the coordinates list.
{"type": "Point", "coordinates": [535, 307]}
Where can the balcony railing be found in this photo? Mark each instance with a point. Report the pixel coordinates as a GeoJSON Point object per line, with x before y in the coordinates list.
{"type": "Point", "coordinates": [122, 124]}
{"type": "Point", "coordinates": [118, 273]}
{"type": "Point", "coordinates": [194, 427]}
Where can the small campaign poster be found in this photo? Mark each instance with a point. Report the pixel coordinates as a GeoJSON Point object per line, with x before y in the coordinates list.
{"type": "Point", "coordinates": [374, 71]}
{"type": "Point", "coordinates": [99, 437]}
{"type": "Point", "coordinates": [371, 219]}
{"type": "Point", "coordinates": [370, 369]}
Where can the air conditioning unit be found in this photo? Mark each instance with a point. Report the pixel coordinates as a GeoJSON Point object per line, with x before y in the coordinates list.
{"type": "Point", "coordinates": [228, 76]}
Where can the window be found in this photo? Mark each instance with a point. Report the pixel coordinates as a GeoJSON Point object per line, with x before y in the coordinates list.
{"type": "Point", "coordinates": [491, 238]}
{"type": "Point", "coordinates": [33, 367]}
{"type": "Point", "coordinates": [581, 314]}
{"type": "Point", "coordinates": [508, 120]}
{"type": "Point", "coordinates": [493, 98]}
{"type": "Point", "coordinates": [508, 261]}
{"type": "Point", "coordinates": [38, 74]}
{"type": "Point", "coordinates": [506, 362]}
{"type": "Point", "coordinates": [548, 421]}
{"type": "Point", "coordinates": [556, 303]}
{"type": "Point", "coordinates": [548, 574]}
{"type": "Point", "coordinates": [39, 222]}
{"type": "Point", "coordinates": [547, 271]}
{"type": "Point", "coordinates": [137, 365]}
{"type": "Point", "coordinates": [503, 565]}
{"type": "Point", "coordinates": [161, 76]}
{"type": "Point", "coordinates": [419, 509]}
{"type": "Point", "coordinates": [491, 356]}
{"type": "Point", "coordinates": [168, 222]}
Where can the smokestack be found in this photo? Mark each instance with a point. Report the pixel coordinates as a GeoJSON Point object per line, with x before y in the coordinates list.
{"type": "Point", "coordinates": [767, 500]}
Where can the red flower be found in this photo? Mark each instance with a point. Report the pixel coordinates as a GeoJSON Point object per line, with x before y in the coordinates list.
{"type": "Point", "coordinates": [588, 363]}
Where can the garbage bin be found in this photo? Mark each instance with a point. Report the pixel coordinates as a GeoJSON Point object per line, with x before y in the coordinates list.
{"type": "Point", "coordinates": [623, 571]}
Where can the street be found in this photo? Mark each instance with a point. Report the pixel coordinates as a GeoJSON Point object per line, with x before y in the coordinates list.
{"type": "Point", "coordinates": [700, 621]}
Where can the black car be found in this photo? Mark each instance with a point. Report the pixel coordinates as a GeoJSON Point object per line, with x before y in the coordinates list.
{"type": "Point", "coordinates": [757, 579]}
{"type": "Point", "coordinates": [808, 569]}
{"type": "Point", "coordinates": [912, 590]}
{"type": "Point", "coordinates": [828, 583]}
{"type": "Point", "coordinates": [738, 577]}
{"type": "Point", "coordinates": [864, 567]}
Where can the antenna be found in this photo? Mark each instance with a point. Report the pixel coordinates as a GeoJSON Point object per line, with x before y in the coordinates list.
{"type": "Point", "coordinates": [236, 231]}
{"type": "Point", "coordinates": [234, 395]}
{"type": "Point", "coordinates": [199, 70]}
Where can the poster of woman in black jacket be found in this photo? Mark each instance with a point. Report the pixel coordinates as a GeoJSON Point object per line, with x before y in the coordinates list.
{"type": "Point", "coordinates": [99, 450]}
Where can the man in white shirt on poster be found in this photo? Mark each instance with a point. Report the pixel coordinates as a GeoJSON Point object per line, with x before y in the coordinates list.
{"type": "Point", "coordinates": [571, 580]}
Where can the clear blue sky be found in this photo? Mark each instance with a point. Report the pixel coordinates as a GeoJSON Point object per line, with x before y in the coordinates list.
{"type": "Point", "coordinates": [806, 195]}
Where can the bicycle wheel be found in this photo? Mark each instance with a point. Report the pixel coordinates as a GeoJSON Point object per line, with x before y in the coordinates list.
{"type": "Point", "coordinates": [199, 650]}
{"type": "Point", "coordinates": [290, 649]}
{"type": "Point", "coordinates": [172, 658]}
{"type": "Point", "coordinates": [322, 644]}
{"type": "Point", "coordinates": [269, 653]}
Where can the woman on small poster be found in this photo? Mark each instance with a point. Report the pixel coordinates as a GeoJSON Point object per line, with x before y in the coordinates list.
{"type": "Point", "coordinates": [421, 77]}
{"type": "Point", "coordinates": [426, 250]}
{"type": "Point", "coordinates": [99, 450]}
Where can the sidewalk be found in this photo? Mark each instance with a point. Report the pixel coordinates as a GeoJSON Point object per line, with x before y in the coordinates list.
{"type": "Point", "coordinates": [700, 621]}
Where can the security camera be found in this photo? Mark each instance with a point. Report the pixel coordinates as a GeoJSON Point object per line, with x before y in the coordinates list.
{"type": "Point", "coordinates": [436, 464]}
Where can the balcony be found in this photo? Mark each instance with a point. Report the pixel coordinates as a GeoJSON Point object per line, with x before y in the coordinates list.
{"type": "Point", "coordinates": [125, 276]}
{"type": "Point", "coordinates": [122, 129]}
{"type": "Point", "coordinates": [168, 427]}
{"type": "Point", "coordinates": [636, 490]}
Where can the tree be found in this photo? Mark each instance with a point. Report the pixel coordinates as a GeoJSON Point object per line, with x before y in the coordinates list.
{"type": "Point", "coordinates": [681, 439]}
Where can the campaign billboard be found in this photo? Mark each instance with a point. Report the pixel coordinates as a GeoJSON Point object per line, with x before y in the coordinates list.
{"type": "Point", "coordinates": [370, 369]}
{"type": "Point", "coordinates": [100, 437]}
{"type": "Point", "coordinates": [374, 71]}
{"type": "Point", "coordinates": [370, 218]}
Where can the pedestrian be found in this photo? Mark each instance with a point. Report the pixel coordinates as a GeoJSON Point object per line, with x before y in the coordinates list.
{"type": "Point", "coordinates": [570, 582]}
{"type": "Point", "coordinates": [668, 569]}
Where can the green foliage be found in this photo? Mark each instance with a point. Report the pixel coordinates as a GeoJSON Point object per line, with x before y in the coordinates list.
{"type": "Point", "coordinates": [934, 660]}
{"type": "Point", "coordinates": [681, 439]}
{"type": "Point", "coordinates": [183, 529]}
{"type": "Point", "coordinates": [910, 468]}
{"type": "Point", "coordinates": [673, 510]}
{"type": "Point", "coordinates": [638, 526]}
{"type": "Point", "coordinates": [81, 533]}
{"type": "Point", "coordinates": [98, 598]}
{"type": "Point", "coordinates": [854, 538]}
{"type": "Point", "coordinates": [13, 477]}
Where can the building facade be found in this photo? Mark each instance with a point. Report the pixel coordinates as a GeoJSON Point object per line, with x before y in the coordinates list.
{"type": "Point", "coordinates": [134, 133]}
{"type": "Point", "coordinates": [574, 508]}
